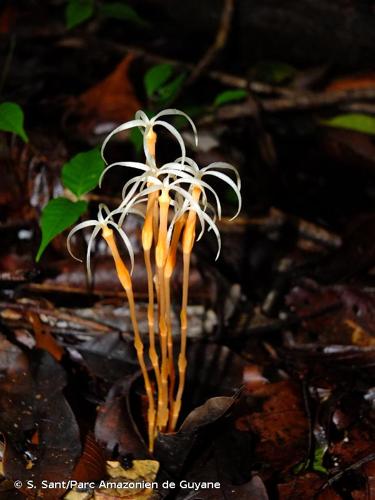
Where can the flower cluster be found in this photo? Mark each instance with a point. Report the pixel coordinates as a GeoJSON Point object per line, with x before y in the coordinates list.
{"type": "Point", "coordinates": [179, 178]}
{"type": "Point", "coordinates": [172, 199]}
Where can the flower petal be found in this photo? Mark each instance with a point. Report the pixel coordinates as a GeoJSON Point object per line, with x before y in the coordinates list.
{"type": "Point", "coordinates": [230, 182]}
{"type": "Point", "coordinates": [88, 252]}
{"type": "Point", "coordinates": [175, 134]}
{"type": "Point", "coordinates": [225, 166]}
{"type": "Point", "coordinates": [121, 128]}
{"type": "Point", "coordinates": [80, 226]}
{"type": "Point", "coordinates": [171, 112]}
{"type": "Point", "coordinates": [130, 164]}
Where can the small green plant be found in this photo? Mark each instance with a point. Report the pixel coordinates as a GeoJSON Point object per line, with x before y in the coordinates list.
{"type": "Point", "coordinates": [79, 11]}
{"type": "Point", "coordinates": [231, 95]}
{"type": "Point", "coordinates": [11, 119]}
{"type": "Point", "coordinates": [79, 176]}
{"type": "Point", "coordinates": [358, 122]}
{"type": "Point", "coordinates": [162, 84]}
{"type": "Point", "coordinates": [173, 200]}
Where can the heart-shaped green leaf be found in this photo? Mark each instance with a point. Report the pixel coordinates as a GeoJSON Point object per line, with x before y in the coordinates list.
{"type": "Point", "coordinates": [78, 11]}
{"type": "Point", "coordinates": [57, 215]}
{"type": "Point", "coordinates": [81, 174]}
{"type": "Point", "coordinates": [11, 119]}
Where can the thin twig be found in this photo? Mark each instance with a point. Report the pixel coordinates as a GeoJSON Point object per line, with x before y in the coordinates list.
{"type": "Point", "coordinates": [226, 79]}
{"type": "Point", "coordinates": [292, 99]}
{"type": "Point", "coordinates": [58, 314]}
{"type": "Point", "coordinates": [298, 101]}
{"type": "Point", "coordinates": [360, 107]}
{"type": "Point", "coordinates": [339, 475]}
{"type": "Point", "coordinates": [219, 42]}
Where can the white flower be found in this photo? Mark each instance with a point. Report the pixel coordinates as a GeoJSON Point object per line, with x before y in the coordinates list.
{"type": "Point", "coordinates": [184, 181]}
{"type": "Point", "coordinates": [99, 224]}
{"type": "Point", "coordinates": [214, 169]}
{"type": "Point", "coordinates": [146, 124]}
{"type": "Point", "coordinates": [172, 177]}
{"type": "Point", "coordinates": [181, 201]}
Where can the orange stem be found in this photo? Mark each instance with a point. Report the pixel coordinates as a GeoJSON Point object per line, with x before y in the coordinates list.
{"type": "Point", "coordinates": [125, 280]}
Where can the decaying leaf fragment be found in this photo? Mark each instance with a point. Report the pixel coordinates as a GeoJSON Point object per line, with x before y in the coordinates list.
{"type": "Point", "coordinates": [140, 479]}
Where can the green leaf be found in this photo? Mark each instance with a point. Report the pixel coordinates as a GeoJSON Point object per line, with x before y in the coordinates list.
{"type": "Point", "coordinates": [156, 76]}
{"type": "Point", "coordinates": [81, 174]}
{"type": "Point", "coordinates": [11, 119]}
{"type": "Point", "coordinates": [230, 96]}
{"type": "Point", "coordinates": [317, 464]}
{"type": "Point", "coordinates": [353, 121]}
{"type": "Point", "coordinates": [57, 215]}
{"type": "Point", "coordinates": [118, 10]}
{"type": "Point", "coordinates": [167, 92]}
{"type": "Point", "coordinates": [78, 11]}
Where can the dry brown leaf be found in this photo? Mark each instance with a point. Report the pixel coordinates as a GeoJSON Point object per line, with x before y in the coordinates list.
{"type": "Point", "coordinates": [306, 486]}
{"type": "Point", "coordinates": [91, 465]}
{"type": "Point", "coordinates": [112, 99]}
{"type": "Point", "coordinates": [43, 337]}
{"type": "Point", "coordinates": [361, 81]}
{"type": "Point", "coordinates": [281, 425]}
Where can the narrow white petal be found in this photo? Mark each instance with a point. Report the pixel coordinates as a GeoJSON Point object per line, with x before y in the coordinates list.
{"type": "Point", "coordinates": [141, 115]}
{"type": "Point", "coordinates": [171, 112]}
{"type": "Point", "coordinates": [192, 205]}
{"type": "Point", "coordinates": [189, 161]}
{"type": "Point", "coordinates": [121, 128]}
{"type": "Point", "coordinates": [229, 181]}
{"type": "Point", "coordinates": [178, 214]}
{"type": "Point", "coordinates": [130, 209]}
{"type": "Point", "coordinates": [130, 164]}
{"type": "Point", "coordinates": [126, 196]}
{"type": "Point", "coordinates": [88, 252]}
{"type": "Point", "coordinates": [224, 166]}
{"type": "Point", "coordinates": [175, 134]}
{"type": "Point", "coordinates": [103, 207]}
{"type": "Point", "coordinates": [80, 226]}
{"type": "Point", "coordinates": [203, 185]}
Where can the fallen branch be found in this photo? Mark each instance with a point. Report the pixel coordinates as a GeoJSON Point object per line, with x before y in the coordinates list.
{"type": "Point", "coordinates": [222, 77]}
{"type": "Point", "coordinates": [299, 101]}
{"type": "Point", "coordinates": [219, 42]}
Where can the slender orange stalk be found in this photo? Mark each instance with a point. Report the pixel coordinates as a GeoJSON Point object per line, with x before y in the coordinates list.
{"type": "Point", "coordinates": [168, 271]}
{"type": "Point", "coordinates": [188, 239]}
{"type": "Point", "coordinates": [125, 280]}
{"type": "Point", "coordinates": [147, 238]}
{"type": "Point", "coordinates": [161, 253]}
